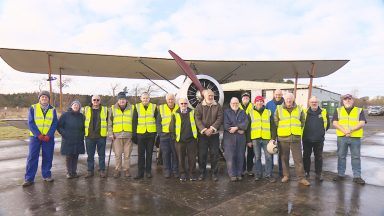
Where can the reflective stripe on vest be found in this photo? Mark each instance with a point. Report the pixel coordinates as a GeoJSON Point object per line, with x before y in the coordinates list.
{"type": "Point", "coordinates": [289, 123]}
{"type": "Point", "coordinates": [146, 121]}
{"type": "Point", "coordinates": [103, 120]}
{"type": "Point", "coordinates": [249, 108]}
{"type": "Point", "coordinates": [122, 121]}
{"type": "Point", "coordinates": [42, 122]}
{"type": "Point", "coordinates": [166, 116]}
{"type": "Point", "coordinates": [178, 125]}
{"type": "Point", "coordinates": [323, 115]}
{"type": "Point", "coordinates": [349, 121]}
{"type": "Point", "coordinates": [260, 124]}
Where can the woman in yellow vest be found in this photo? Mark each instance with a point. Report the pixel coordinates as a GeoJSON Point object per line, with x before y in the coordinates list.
{"type": "Point", "coordinates": [42, 123]}
{"type": "Point", "coordinates": [349, 122]}
{"type": "Point", "coordinates": [96, 120]}
{"type": "Point", "coordinates": [184, 132]}
{"type": "Point", "coordinates": [144, 125]}
{"type": "Point", "coordinates": [121, 115]}
{"type": "Point", "coordinates": [289, 119]}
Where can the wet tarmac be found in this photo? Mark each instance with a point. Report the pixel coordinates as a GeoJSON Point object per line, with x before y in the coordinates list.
{"type": "Point", "coordinates": [160, 196]}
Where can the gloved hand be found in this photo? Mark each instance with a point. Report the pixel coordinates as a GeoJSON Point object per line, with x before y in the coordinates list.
{"type": "Point", "coordinates": [46, 138]}
{"type": "Point", "coordinates": [40, 137]}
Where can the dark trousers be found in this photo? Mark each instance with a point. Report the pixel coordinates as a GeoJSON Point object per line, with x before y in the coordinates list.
{"type": "Point", "coordinates": [168, 151]}
{"type": "Point", "coordinates": [71, 163]}
{"type": "Point", "coordinates": [47, 149]}
{"type": "Point", "coordinates": [248, 161]}
{"type": "Point", "coordinates": [145, 144]}
{"type": "Point", "coordinates": [210, 143]}
{"type": "Point", "coordinates": [234, 157]}
{"type": "Point", "coordinates": [317, 148]}
{"type": "Point", "coordinates": [92, 144]}
{"type": "Point", "coordinates": [279, 164]}
{"type": "Point", "coordinates": [186, 153]}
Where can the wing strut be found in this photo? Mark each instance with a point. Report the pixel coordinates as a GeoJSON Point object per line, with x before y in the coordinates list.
{"type": "Point", "coordinates": [152, 81]}
{"type": "Point", "coordinates": [228, 75]}
{"type": "Point", "coordinates": [157, 73]}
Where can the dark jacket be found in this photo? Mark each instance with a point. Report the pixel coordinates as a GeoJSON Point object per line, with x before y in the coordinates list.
{"type": "Point", "coordinates": [207, 116]}
{"type": "Point", "coordinates": [314, 126]}
{"type": "Point", "coordinates": [72, 130]}
{"type": "Point", "coordinates": [186, 134]}
{"type": "Point", "coordinates": [235, 119]}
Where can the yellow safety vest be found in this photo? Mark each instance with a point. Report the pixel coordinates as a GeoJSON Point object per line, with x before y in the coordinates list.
{"type": "Point", "coordinates": [103, 120]}
{"type": "Point", "coordinates": [289, 123]}
{"type": "Point", "coordinates": [323, 114]}
{"type": "Point", "coordinates": [42, 122]}
{"type": "Point", "coordinates": [260, 124]}
{"type": "Point", "coordinates": [146, 118]}
{"type": "Point", "coordinates": [178, 124]}
{"type": "Point", "coordinates": [349, 121]}
{"type": "Point", "coordinates": [122, 121]}
{"type": "Point", "coordinates": [166, 116]}
{"type": "Point", "coordinates": [248, 109]}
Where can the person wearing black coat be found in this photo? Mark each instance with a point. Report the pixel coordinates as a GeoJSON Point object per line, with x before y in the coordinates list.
{"type": "Point", "coordinates": [71, 127]}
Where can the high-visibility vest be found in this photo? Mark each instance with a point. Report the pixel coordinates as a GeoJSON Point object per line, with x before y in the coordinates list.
{"type": "Point", "coordinates": [178, 124]}
{"type": "Point", "coordinates": [122, 120]}
{"type": "Point", "coordinates": [166, 116]}
{"type": "Point", "coordinates": [42, 122]}
{"type": "Point", "coordinates": [349, 121]}
{"type": "Point", "coordinates": [289, 123]}
{"type": "Point", "coordinates": [248, 108]}
{"type": "Point", "coordinates": [103, 120]}
{"type": "Point", "coordinates": [323, 115]}
{"type": "Point", "coordinates": [260, 124]}
{"type": "Point", "coordinates": [146, 121]}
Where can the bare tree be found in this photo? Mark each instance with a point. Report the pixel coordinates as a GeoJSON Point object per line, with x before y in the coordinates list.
{"type": "Point", "coordinates": [41, 83]}
{"type": "Point", "coordinates": [114, 87]}
{"type": "Point", "coordinates": [64, 83]}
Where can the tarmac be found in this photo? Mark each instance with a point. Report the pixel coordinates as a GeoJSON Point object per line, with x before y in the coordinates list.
{"type": "Point", "coordinates": [160, 196]}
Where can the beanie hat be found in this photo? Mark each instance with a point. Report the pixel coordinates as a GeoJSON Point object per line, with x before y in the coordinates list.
{"type": "Point", "coordinates": [245, 94]}
{"type": "Point", "coordinates": [121, 95]}
{"type": "Point", "coordinates": [259, 98]}
{"type": "Point", "coordinates": [76, 102]}
{"type": "Point", "coordinates": [46, 93]}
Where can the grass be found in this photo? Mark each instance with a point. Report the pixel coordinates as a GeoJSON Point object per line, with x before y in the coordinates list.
{"type": "Point", "coordinates": [12, 133]}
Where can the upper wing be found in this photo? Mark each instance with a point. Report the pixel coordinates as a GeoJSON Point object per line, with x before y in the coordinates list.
{"type": "Point", "coordinates": [80, 64]}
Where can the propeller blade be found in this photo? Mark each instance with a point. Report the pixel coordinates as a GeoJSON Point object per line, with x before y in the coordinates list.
{"type": "Point", "coordinates": [187, 70]}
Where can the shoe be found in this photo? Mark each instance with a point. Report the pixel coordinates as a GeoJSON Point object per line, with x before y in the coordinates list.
{"type": "Point", "coordinates": [285, 179]}
{"type": "Point", "coordinates": [339, 178]}
{"type": "Point", "coordinates": [183, 178]}
{"type": "Point", "coordinates": [49, 179]}
{"type": "Point", "coordinates": [148, 175]}
{"type": "Point", "coordinates": [127, 174]}
{"type": "Point", "coordinates": [103, 174]}
{"type": "Point", "coordinates": [201, 177]}
{"type": "Point", "coordinates": [307, 176]}
{"type": "Point", "coordinates": [319, 177]}
{"type": "Point", "coordinates": [251, 174]}
{"type": "Point", "coordinates": [89, 174]}
{"type": "Point", "coordinates": [239, 178]}
{"type": "Point", "coordinates": [359, 180]}
{"type": "Point", "coordinates": [257, 178]}
{"type": "Point", "coordinates": [233, 178]}
{"type": "Point", "coordinates": [192, 179]}
{"type": "Point", "coordinates": [214, 177]}
{"type": "Point", "coordinates": [138, 177]}
{"type": "Point", "coordinates": [116, 174]}
{"type": "Point", "coordinates": [304, 182]}
{"type": "Point", "coordinates": [167, 175]}
{"type": "Point", "coordinates": [270, 179]}
{"type": "Point", "coordinates": [75, 175]}
{"type": "Point", "coordinates": [27, 183]}
{"type": "Point", "coordinates": [69, 176]}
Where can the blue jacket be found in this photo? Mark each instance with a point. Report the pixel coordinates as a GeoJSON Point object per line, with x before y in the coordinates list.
{"type": "Point", "coordinates": [33, 127]}
{"type": "Point", "coordinates": [234, 119]}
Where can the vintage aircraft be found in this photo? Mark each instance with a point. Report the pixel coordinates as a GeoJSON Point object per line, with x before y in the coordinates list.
{"type": "Point", "coordinates": [199, 74]}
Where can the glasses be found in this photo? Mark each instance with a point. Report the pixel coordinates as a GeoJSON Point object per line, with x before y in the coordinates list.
{"type": "Point", "coordinates": [183, 103]}
{"type": "Point", "coordinates": [95, 99]}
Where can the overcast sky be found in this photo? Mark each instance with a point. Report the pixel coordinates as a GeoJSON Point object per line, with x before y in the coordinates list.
{"type": "Point", "coordinates": [200, 29]}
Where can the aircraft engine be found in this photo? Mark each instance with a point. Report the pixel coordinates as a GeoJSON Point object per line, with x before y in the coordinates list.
{"type": "Point", "coordinates": [190, 91]}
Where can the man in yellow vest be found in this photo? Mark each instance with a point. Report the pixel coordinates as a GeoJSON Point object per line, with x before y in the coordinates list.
{"type": "Point", "coordinates": [96, 120]}
{"type": "Point", "coordinates": [42, 123]}
{"type": "Point", "coordinates": [183, 130]}
{"type": "Point", "coordinates": [289, 119]}
{"type": "Point", "coordinates": [247, 106]}
{"type": "Point", "coordinates": [349, 122]}
{"type": "Point", "coordinates": [316, 124]}
{"type": "Point", "coordinates": [260, 133]}
{"type": "Point", "coordinates": [144, 125]}
{"type": "Point", "coordinates": [121, 115]}
{"type": "Point", "coordinates": [167, 145]}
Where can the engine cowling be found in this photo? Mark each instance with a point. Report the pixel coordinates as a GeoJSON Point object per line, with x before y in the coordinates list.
{"type": "Point", "coordinates": [188, 90]}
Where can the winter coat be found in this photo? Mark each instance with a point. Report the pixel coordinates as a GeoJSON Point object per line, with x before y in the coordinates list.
{"type": "Point", "coordinates": [235, 119]}
{"type": "Point", "coordinates": [72, 130]}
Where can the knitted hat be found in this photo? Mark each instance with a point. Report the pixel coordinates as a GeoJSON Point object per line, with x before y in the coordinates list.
{"type": "Point", "coordinates": [46, 93]}
{"type": "Point", "coordinates": [121, 95]}
{"type": "Point", "coordinates": [245, 94]}
{"type": "Point", "coordinates": [76, 102]}
{"type": "Point", "coordinates": [258, 98]}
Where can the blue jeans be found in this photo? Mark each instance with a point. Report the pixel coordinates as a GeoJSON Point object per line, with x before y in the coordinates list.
{"type": "Point", "coordinates": [342, 150]}
{"type": "Point", "coordinates": [170, 161]}
{"type": "Point", "coordinates": [259, 144]}
{"type": "Point", "coordinates": [92, 144]}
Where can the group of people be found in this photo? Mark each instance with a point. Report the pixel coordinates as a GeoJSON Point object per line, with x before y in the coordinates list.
{"type": "Point", "coordinates": [188, 134]}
